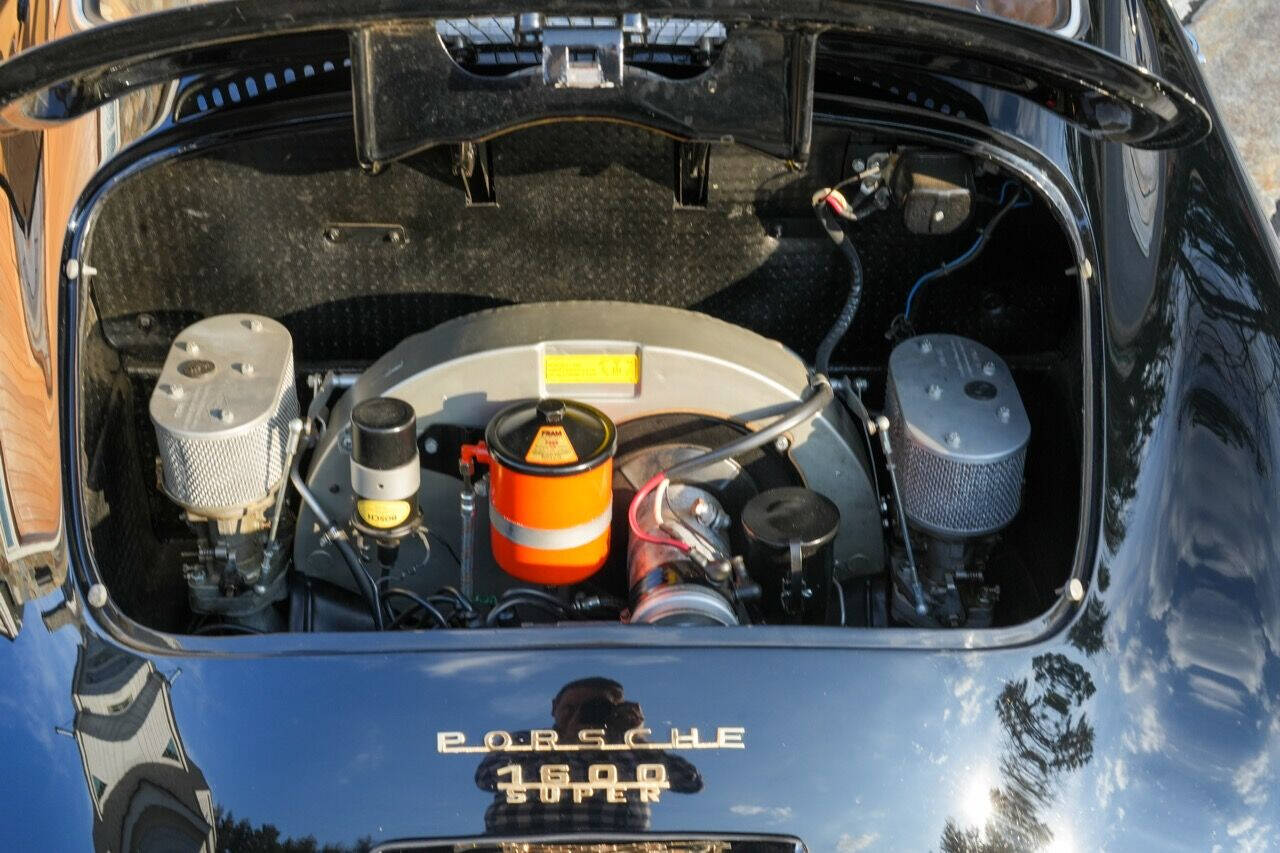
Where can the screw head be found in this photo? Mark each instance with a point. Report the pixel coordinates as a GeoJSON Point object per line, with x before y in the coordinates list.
{"type": "Point", "coordinates": [344, 441]}
{"type": "Point", "coordinates": [222, 415]}
{"type": "Point", "coordinates": [782, 444]}
{"type": "Point", "coordinates": [953, 439]}
{"type": "Point", "coordinates": [145, 321]}
{"type": "Point", "coordinates": [858, 165]}
{"type": "Point", "coordinates": [431, 445]}
{"type": "Point", "coordinates": [702, 510]}
{"type": "Point", "coordinates": [938, 216]}
{"type": "Point", "coordinates": [97, 595]}
{"type": "Point", "coordinates": [332, 234]}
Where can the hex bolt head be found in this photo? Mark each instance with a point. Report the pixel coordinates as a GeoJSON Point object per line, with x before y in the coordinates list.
{"type": "Point", "coordinates": [926, 346]}
{"type": "Point", "coordinates": [989, 368]}
{"type": "Point", "coordinates": [253, 325]}
{"type": "Point", "coordinates": [1003, 414]}
{"type": "Point", "coordinates": [858, 165]}
{"type": "Point", "coordinates": [173, 392]}
{"type": "Point", "coordinates": [953, 439]}
{"type": "Point", "coordinates": [431, 446]}
{"type": "Point", "coordinates": [244, 368]}
{"type": "Point", "coordinates": [189, 347]}
{"type": "Point", "coordinates": [97, 595]}
{"type": "Point", "coordinates": [935, 391]}
{"type": "Point", "coordinates": [782, 444]}
{"type": "Point", "coordinates": [938, 216]}
{"type": "Point", "coordinates": [702, 510]}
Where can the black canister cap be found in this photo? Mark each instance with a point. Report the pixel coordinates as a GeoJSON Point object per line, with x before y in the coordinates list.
{"type": "Point", "coordinates": [383, 433]}
{"type": "Point", "coordinates": [778, 517]}
{"type": "Point", "coordinates": [551, 437]}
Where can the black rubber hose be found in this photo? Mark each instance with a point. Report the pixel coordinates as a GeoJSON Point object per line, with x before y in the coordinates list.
{"type": "Point", "coordinates": [850, 310]}
{"type": "Point", "coordinates": [803, 411]}
{"type": "Point", "coordinates": [364, 583]}
{"type": "Point", "coordinates": [420, 603]}
{"type": "Point", "coordinates": [514, 602]}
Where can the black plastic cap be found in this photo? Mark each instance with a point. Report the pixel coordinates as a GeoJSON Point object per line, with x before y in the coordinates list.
{"type": "Point", "coordinates": [778, 517]}
{"type": "Point", "coordinates": [383, 433]}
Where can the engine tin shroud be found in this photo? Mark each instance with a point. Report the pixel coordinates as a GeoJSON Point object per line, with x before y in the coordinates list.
{"type": "Point", "coordinates": [465, 371]}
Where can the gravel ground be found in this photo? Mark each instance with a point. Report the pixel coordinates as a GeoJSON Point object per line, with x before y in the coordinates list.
{"type": "Point", "coordinates": [1240, 40]}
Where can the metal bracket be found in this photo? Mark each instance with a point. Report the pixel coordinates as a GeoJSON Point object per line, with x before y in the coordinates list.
{"type": "Point", "coordinates": [473, 163]}
{"type": "Point", "coordinates": [578, 57]}
{"type": "Point", "coordinates": [411, 95]}
{"type": "Point", "coordinates": [693, 166]}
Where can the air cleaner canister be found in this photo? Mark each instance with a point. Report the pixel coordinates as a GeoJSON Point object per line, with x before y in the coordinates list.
{"type": "Point", "coordinates": [385, 471]}
{"type": "Point", "coordinates": [550, 489]}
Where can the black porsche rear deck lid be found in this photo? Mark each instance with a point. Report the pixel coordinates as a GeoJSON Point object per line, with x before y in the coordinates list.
{"type": "Point", "coordinates": [409, 94]}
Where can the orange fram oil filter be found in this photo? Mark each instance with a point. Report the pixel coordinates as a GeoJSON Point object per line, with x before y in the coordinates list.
{"type": "Point", "coordinates": [550, 489]}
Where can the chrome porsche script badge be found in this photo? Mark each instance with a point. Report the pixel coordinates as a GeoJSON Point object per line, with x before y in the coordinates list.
{"type": "Point", "coordinates": [643, 771]}
{"type": "Point", "coordinates": [548, 740]}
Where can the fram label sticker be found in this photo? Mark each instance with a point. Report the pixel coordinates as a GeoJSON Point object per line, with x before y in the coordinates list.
{"type": "Point", "coordinates": [551, 447]}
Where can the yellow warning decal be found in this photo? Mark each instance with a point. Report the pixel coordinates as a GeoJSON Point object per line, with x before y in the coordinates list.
{"type": "Point", "coordinates": [591, 368]}
{"type": "Point", "coordinates": [383, 514]}
{"type": "Point", "coordinates": [551, 447]}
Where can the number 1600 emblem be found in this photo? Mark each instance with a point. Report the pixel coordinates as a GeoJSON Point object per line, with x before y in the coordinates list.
{"type": "Point", "coordinates": [555, 779]}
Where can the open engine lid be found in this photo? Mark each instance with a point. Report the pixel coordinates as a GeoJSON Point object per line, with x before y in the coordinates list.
{"type": "Point", "coordinates": [411, 92]}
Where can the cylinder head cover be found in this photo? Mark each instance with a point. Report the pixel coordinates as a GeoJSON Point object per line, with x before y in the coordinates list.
{"type": "Point", "coordinates": [550, 489]}
{"type": "Point", "coordinates": [960, 433]}
{"type": "Point", "coordinates": [221, 411]}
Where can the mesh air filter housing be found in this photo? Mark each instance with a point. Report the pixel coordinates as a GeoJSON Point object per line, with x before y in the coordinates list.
{"type": "Point", "coordinates": [221, 410]}
{"type": "Point", "coordinates": [960, 435]}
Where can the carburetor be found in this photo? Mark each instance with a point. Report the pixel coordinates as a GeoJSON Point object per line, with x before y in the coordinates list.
{"type": "Point", "coordinates": [222, 409]}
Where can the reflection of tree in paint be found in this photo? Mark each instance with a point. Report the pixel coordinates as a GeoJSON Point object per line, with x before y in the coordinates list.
{"type": "Point", "coordinates": [265, 838]}
{"type": "Point", "coordinates": [1047, 734]}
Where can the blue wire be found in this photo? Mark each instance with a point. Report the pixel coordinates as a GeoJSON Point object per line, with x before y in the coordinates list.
{"type": "Point", "coordinates": [945, 268]}
{"type": "Point", "coordinates": [935, 273]}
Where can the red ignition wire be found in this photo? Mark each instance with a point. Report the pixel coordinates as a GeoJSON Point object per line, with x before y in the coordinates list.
{"type": "Point", "coordinates": [634, 509]}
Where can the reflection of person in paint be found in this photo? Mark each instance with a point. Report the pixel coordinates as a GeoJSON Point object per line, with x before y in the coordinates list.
{"type": "Point", "coordinates": [585, 712]}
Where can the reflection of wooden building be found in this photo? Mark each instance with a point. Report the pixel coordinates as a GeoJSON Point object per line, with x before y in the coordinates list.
{"type": "Point", "coordinates": [147, 794]}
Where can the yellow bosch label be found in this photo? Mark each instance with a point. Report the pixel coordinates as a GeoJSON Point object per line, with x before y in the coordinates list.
{"type": "Point", "coordinates": [383, 514]}
{"type": "Point", "coordinates": [551, 447]}
{"type": "Point", "coordinates": [591, 368]}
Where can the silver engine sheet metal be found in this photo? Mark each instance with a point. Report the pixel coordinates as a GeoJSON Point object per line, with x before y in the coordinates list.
{"type": "Point", "coordinates": [960, 431]}
{"type": "Point", "coordinates": [463, 371]}
{"type": "Point", "coordinates": [221, 410]}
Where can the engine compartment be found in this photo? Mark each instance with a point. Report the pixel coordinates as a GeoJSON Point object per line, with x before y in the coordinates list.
{"type": "Point", "coordinates": [926, 472]}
